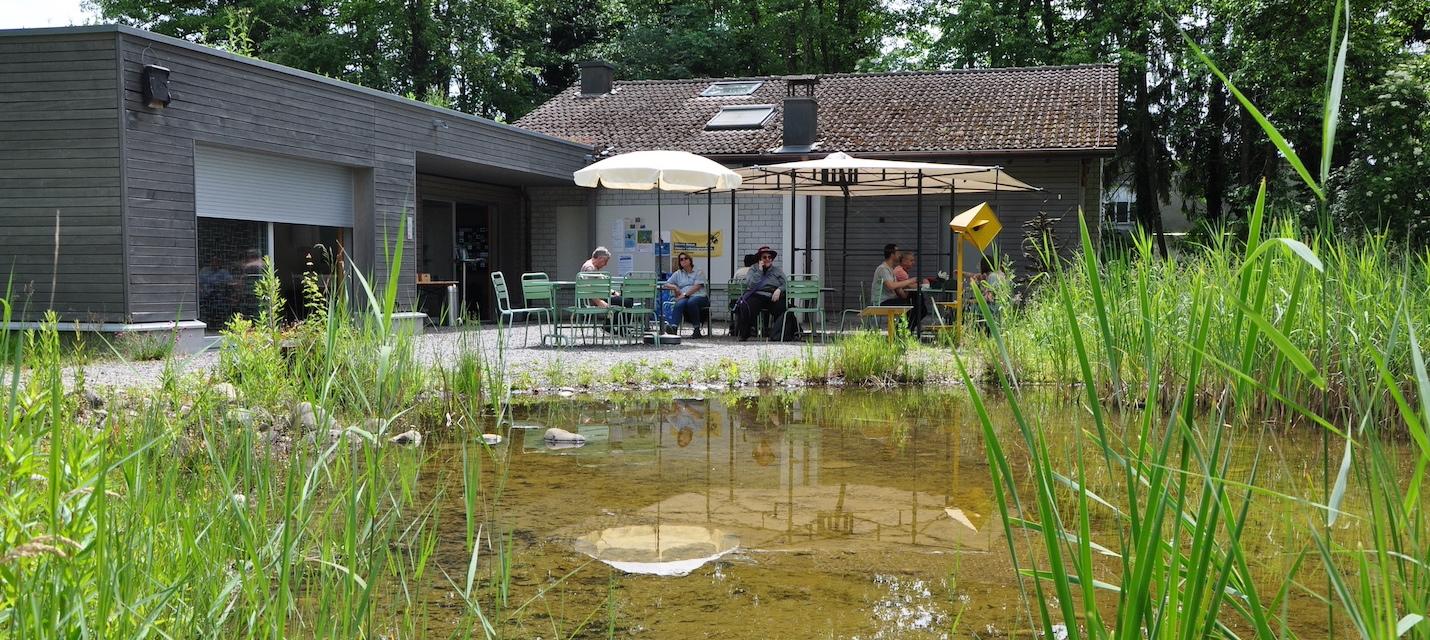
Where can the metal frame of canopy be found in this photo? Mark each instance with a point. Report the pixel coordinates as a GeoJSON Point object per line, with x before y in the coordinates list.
{"type": "Point", "coordinates": [841, 174]}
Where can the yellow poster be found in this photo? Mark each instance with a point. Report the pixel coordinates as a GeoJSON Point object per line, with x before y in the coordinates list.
{"type": "Point", "coordinates": [693, 243]}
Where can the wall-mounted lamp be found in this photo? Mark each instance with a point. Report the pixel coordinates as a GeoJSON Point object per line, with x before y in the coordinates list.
{"type": "Point", "coordinates": [438, 123]}
{"type": "Point", "coordinates": [155, 81]}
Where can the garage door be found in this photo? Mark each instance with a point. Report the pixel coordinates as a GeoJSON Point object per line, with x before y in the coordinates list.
{"type": "Point", "coordinates": [241, 185]}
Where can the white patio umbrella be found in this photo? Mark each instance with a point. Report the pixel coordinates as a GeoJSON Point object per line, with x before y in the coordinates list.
{"type": "Point", "coordinates": [661, 170]}
{"type": "Point", "coordinates": [841, 174]}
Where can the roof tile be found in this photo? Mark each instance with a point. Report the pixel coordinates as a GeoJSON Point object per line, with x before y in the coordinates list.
{"type": "Point", "coordinates": [1009, 109]}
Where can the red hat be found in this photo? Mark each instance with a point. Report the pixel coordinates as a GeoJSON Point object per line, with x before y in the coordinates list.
{"type": "Point", "coordinates": [766, 249]}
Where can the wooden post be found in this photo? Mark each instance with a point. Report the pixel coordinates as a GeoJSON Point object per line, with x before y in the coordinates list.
{"type": "Point", "coordinates": [958, 311]}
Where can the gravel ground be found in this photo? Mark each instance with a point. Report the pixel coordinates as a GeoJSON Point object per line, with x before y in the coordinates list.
{"type": "Point", "coordinates": [531, 364]}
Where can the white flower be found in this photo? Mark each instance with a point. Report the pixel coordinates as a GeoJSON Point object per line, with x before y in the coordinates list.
{"type": "Point", "coordinates": [1419, 150]}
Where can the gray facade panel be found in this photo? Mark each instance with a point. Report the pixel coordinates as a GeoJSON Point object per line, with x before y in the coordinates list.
{"type": "Point", "coordinates": [257, 107]}
{"type": "Point", "coordinates": [60, 167]}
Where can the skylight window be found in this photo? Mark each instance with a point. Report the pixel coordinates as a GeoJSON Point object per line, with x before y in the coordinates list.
{"type": "Point", "coordinates": [751, 116]}
{"type": "Point", "coordinates": [720, 89]}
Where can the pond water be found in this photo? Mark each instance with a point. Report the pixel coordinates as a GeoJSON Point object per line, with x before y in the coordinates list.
{"type": "Point", "coordinates": [819, 514]}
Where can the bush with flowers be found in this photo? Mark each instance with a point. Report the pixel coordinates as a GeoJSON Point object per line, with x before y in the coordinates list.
{"type": "Point", "coordinates": [1386, 184]}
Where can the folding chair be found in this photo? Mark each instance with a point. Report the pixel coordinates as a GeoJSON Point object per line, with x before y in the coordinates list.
{"type": "Point", "coordinates": [508, 313]}
{"type": "Point", "coordinates": [585, 314]}
{"type": "Point", "coordinates": [804, 288]}
{"type": "Point", "coordinates": [639, 291]}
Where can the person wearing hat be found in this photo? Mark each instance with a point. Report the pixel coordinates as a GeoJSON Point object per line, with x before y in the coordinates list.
{"type": "Point", "coordinates": [764, 293]}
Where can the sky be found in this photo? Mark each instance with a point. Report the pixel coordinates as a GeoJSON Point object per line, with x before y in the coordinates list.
{"type": "Point", "coordinates": [19, 14]}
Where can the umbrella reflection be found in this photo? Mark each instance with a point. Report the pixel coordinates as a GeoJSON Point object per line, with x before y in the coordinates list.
{"type": "Point", "coordinates": [662, 550]}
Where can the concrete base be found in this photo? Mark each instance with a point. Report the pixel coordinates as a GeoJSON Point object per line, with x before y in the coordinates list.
{"type": "Point", "coordinates": [409, 322]}
{"type": "Point", "coordinates": [189, 334]}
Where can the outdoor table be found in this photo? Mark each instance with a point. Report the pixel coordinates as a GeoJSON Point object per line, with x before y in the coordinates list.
{"type": "Point", "coordinates": [889, 312]}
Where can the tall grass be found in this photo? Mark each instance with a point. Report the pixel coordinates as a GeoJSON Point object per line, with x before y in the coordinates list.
{"type": "Point", "coordinates": [171, 516]}
{"type": "Point", "coordinates": [1331, 308]}
{"type": "Point", "coordinates": [1179, 566]}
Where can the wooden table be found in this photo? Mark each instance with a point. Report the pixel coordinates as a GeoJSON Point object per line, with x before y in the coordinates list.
{"type": "Point", "coordinates": [889, 312]}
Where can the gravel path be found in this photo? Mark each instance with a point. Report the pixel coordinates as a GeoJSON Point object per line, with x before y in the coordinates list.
{"type": "Point", "coordinates": [533, 364]}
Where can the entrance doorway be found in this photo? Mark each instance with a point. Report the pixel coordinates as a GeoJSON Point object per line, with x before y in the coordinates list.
{"type": "Point", "coordinates": [456, 246]}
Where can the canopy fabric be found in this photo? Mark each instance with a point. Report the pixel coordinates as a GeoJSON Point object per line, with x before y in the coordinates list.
{"type": "Point", "coordinates": [838, 172]}
{"type": "Point", "coordinates": [664, 170]}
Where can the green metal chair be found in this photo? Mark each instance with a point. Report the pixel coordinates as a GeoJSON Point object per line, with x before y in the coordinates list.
{"type": "Point", "coordinates": [585, 314]}
{"type": "Point", "coordinates": [537, 292]}
{"type": "Point", "coordinates": [639, 289]}
{"type": "Point", "coordinates": [804, 288]}
{"type": "Point", "coordinates": [509, 313]}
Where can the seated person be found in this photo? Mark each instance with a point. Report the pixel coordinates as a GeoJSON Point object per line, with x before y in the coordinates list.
{"type": "Point", "coordinates": [750, 261]}
{"type": "Point", "coordinates": [892, 291]}
{"type": "Point", "coordinates": [989, 283]}
{"type": "Point", "coordinates": [765, 294]}
{"type": "Point", "coordinates": [600, 257]}
{"type": "Point", "coordinates": [689, 300]}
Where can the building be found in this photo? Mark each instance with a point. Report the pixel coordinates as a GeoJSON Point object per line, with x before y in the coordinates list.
{"type": "Point", "coordinates": [1048, 126]}
{"type": "Point", "coordinates": [165, 169]}
{"type": "Point", "coordinates": [143, 177]}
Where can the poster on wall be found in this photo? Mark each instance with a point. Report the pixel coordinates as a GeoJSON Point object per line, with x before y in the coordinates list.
{"type": "Point", "coordinates": [693, 243]}
{"type": "Point", "coordinates": [625, 265]}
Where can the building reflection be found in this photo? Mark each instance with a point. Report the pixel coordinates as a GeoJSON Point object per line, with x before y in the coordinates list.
{"type": "Point", "coordinates": [783, 474]}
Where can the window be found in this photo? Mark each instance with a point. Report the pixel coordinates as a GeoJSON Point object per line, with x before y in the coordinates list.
{"type": "Point", "coordinates": [743, 117]}
{"type": "Point", "coordinates": [731, 89]}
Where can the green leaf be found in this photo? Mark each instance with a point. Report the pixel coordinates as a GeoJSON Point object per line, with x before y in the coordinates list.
{"type": "Point", "coordinates": [1335, 76]}
{"type": "Point", "coordinates": [1294, 355]}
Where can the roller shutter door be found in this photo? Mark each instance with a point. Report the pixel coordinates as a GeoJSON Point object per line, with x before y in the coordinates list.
{"type": "Point", "coordinates": [239, 185]}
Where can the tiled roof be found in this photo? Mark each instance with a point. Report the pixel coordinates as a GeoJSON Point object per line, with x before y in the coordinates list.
{"type": "Point", "coordinates": [1010, 109]}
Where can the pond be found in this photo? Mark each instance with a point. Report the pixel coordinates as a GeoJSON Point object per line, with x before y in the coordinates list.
{"type": "Point", "coordinates": [815, 514]}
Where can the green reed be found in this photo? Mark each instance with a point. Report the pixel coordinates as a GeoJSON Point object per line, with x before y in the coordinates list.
{"type": "Point", "coordinates": [172, 516]}
{"type": "Point", "coordinates": [1323, 332]}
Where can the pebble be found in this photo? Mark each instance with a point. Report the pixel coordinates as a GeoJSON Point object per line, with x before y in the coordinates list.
{"type": "Point", "coordinates": [555, 434]}
{"type": "Point", "coordinates": [226, 392]}
{"type": "Point", "coordinates": [409, 438]}
{"type": "Point", "coordinates": [491, 438]}
{"type": "Point", "coordinates": [95, 400]}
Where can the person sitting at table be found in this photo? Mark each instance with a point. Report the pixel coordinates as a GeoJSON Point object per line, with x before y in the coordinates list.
{"type": "Point", "coordinates": [689, 299]}
{"type": "Point", "coordinates": [989, 283]}
{"type": "Point", "coordinates": [600, 257]}
{"type": "Point", "coordinates": [764, 293]}
{"type": "Point", "coordinates": [892, 291]}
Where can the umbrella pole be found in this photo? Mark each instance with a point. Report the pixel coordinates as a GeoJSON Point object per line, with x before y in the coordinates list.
{"type": "Point", "coordinates": [844, 255]}
{"type": "Point", "coordinates": [709, 249]}
{"type": "Point", "coordinates": [657, 231]}
{"type": "Point", "coordinates": [731, 239]}
{"type": "Point", "coordinates": [919, 251]}
{"type": "Point", "coordinates": [793, 201]}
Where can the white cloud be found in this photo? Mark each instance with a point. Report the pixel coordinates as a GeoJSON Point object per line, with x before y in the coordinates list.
{"type": "Point", "coordinates": [22, 14]}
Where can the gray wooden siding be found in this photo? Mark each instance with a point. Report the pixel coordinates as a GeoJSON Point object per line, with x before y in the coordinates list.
{"type": "Point", "coordinates": [875, 221]}
{"type": "Point", "coordinates": [220, 99]}
{"type": "Point", "coordinates": [59, 156]}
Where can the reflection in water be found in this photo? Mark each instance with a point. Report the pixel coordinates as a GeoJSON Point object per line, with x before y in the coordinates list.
{"type": "Point", "coordinates": [661, 550]}
{"type": "Point", "coordinates": [781, 511]}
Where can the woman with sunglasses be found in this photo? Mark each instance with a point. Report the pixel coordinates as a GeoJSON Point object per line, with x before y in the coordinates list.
{"type": "Point", "coordinates": [690, 300]}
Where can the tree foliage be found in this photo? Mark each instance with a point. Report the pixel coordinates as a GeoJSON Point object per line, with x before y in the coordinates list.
{"type": "Point", "coordinates": [1179, 128]}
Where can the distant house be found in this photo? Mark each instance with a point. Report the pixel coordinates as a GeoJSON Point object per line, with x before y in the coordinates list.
{"type": "Point", "coordinates": [167, 169]}
{"type": "Point", "coordinates": [1051, 127]}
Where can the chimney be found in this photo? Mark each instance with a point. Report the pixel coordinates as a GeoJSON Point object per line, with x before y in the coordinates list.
{"type": "Point", "coordinates": [596, 77]}
{"type": "Point", "coordinates": [801, 114]}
